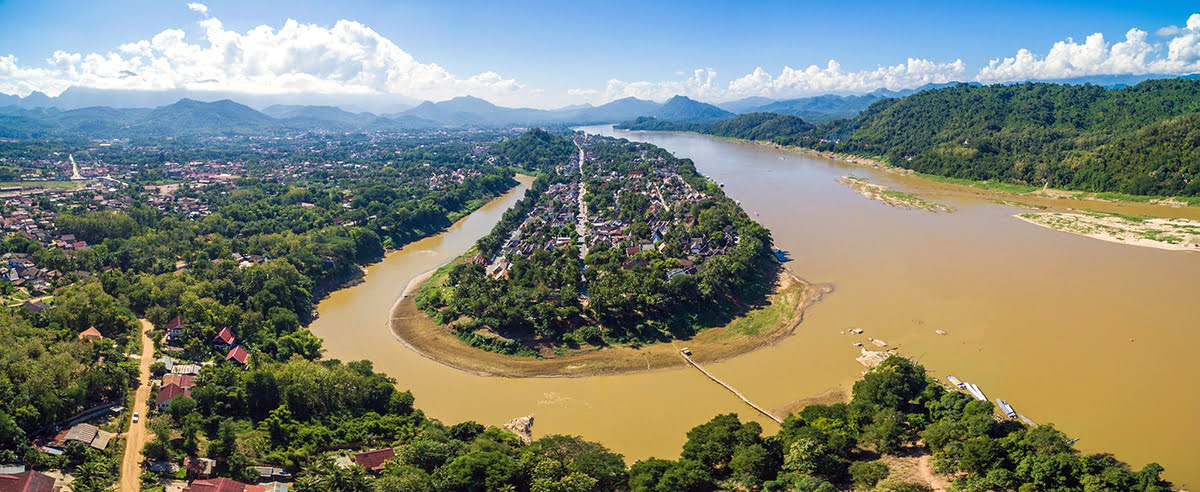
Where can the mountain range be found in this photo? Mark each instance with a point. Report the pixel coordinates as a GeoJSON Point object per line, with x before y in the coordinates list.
{"type": "Point", "coordinates": [113, 113]}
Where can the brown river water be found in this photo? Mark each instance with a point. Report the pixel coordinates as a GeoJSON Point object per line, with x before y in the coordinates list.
{"type": "Point", "coordinates": [1095, 337]}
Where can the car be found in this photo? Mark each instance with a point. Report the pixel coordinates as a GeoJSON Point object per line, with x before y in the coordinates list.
{"type": "Point", "coordinates": [135, 416]}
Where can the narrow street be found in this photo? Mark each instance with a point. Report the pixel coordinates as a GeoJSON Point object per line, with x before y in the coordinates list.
{"type": "Point", "coordinates": [581, 222]}
{"type": "Point", "coordinates": [135, 439]}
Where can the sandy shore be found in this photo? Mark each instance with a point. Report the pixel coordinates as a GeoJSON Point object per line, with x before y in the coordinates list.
{"type": "Point", "coordinates": [891, 198]}
{"type": "Point", "coordinates": [422, 335]}
{"type": "Point", "coordinates": [1169, 234]}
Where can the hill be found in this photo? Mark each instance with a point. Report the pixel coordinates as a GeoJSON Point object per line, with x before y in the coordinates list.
{"type": "Point", "coordinates": [1139, 139]}
{"type": "Point", "coordinates": [683, 108]}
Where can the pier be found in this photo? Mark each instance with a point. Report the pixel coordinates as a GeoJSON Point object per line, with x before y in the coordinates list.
{"type": "Point", "coordinates": [730, 388]}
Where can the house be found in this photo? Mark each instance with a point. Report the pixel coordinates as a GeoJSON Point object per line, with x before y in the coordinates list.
{"type": "Point", "coordinates": [185, 369]}
{"type": "Point", "coordinates": [224, 339]}
{"type": "Point", "coordinates": [222, 485]}
{"type": "Point", "coordinates": [34, 307]}
{"type": "Point", "coordinates": [272, 474]}
{"type": "Point", "coordinates": [174, 329]}
{"type": "Point", "coordinates": [169, 392]}
{"type": "Point", "coordinates": [238, 354]}
{"type": "Point", "coordinates": [26, 481]}
{"type": "Point", "coordinates": [373, 460]}
{"type": "Point", "coordinates": [87, 434]}
{"type": "Point", "coordinates": [185, 381]}
{"type": "Point", "coordinates": [91, 334]}
{"type": "Point", "coordinates": [199, 468]}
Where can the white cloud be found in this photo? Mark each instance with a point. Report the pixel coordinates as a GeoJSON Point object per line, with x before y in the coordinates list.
{"type": "Point", "coordinates": [347, 58]}
{"type": "Point", "coordinates": [1096, 56]}
{"type": "Point", "coordinates": [351, 58]}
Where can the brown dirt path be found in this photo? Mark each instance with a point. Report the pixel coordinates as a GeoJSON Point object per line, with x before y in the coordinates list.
{"type": "Point", "coordinates": [135, 439]}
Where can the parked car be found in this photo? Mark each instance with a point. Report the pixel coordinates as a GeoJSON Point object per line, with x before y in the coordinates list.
{"type": "Point", "coordinates": [135, 417]}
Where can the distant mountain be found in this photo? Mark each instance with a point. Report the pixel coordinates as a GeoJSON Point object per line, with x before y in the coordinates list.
{"type": "Point", "coordinates": [819, 109]}
{"type": "Point", "coordinates": [618, 110]}
{"type": "Point", "coordinates": [327, 117]}
{"type": "Point", "coordinates": [682, 108]}
{"type": "Point", "coordinates": [469, 110]}
{"type": "Point", "coordinates": [745, 105]}
{"type": "Point", "coordinates": [197, 117]}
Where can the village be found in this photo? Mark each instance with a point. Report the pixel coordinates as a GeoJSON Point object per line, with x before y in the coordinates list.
{"type": "Point", "coordinates": [120, 177]}
{"type": "Point", "coordinates": [633, 206]}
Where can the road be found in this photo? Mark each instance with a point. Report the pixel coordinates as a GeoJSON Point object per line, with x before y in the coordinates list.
{"type": "Point", "coordinates": [135, 439]}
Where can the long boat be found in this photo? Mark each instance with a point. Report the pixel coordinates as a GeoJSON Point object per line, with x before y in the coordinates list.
{"type": "Point", "coordinates": [957, 382]}
{"type": "Point", "coordinates": [976, 392]}
{"type": "Point", "coordinates": [1008, 409]}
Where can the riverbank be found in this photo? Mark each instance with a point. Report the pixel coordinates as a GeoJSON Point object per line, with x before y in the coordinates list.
{"type": "Point", "coordinates": [891, 198]}
{"type": "Point", "coordinates": [995, 186]}
{"type": "Point", "coordinates": [758, 328]}
{"type": "Point", "coordinates": [1168, 234]}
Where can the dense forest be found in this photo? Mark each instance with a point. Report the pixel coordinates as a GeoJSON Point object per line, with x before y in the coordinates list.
{"type": "Point", "coordinates": [1138, 140]}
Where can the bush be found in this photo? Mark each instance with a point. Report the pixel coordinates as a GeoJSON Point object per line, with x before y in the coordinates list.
{"type": "Point", "coordinates": [866, 474]}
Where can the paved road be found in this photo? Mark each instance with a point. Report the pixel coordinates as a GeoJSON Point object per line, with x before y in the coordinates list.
{"type": "Point", "coordinates": [135, 439]}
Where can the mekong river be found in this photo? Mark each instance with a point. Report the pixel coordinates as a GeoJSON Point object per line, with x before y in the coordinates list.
{"type": "Point", "coordinates": [1098, 338]}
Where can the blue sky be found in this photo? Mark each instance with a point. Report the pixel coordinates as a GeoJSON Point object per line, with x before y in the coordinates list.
{"type": "Point", "coordinates": [551, 53]}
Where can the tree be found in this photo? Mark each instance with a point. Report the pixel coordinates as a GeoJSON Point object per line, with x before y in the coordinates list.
{"type": "Point", "coordinates": [180, 407]}
{"type": "Point", "coordinates": [686, 476]}
{"type": "Point", "coordinates": [865, 474]}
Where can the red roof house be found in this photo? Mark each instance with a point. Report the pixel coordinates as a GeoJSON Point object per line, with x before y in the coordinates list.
{"type": "Point", "coordinates": [174, 324]}
{"type": "Point", "coordinates": [26, 481]}
{"type": "Point", "coordinates": [373, 460]}
{"type": "Point", "coordinates": [169, 392]}
{"type": "Point", "coordinates": [225, 337]}
{"type": "Point", "coordinates": [184, 381]}
{"type": "Point", "coordinates": [222, 485]}
{"type": "Point", "coordinates": [238, 354]}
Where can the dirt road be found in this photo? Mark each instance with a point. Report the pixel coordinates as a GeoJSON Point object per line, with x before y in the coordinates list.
{"type": "Point", "coordinates": [135, 439]}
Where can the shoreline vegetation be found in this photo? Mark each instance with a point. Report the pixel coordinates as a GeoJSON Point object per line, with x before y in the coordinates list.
{"type": "Point", "coordinates": [1168, 234]}
{"type": "Point", "coordinates": [760, 327]}
{"type": "Point", "coordinates": [1016, 190]}
{"type": "Point", "coordinates": [889, 197]}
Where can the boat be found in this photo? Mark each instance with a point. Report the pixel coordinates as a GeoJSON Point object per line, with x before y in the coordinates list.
{"type": "Point", "coordinates": [976, 392]}
{"type": "Point", "coordinates": [1008, 409]}
{"type": "Point", "coordinates": [957, 382]}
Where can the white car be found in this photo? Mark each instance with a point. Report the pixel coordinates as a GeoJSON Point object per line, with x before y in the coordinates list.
{"type": "Point", "coordinates": [135, 416]}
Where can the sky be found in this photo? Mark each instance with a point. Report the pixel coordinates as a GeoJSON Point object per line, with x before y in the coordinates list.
{"type": "Point", "coordinates": [551, 54]}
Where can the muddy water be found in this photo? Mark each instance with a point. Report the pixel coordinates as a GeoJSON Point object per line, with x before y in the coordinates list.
{"type": "Point", "coordinates": [1096, 337]}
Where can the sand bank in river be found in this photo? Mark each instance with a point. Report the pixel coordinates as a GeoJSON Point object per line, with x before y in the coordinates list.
{"type": "Point", "coordinates": [1170, 234]}
{"type": "Point", "coordinates": [760, 327]}
{"type": "Point", "coordinates": [889, 197]}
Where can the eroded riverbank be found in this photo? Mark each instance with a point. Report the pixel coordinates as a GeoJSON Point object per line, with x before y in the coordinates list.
{"type": "Point", "coordinates": [762, 326]}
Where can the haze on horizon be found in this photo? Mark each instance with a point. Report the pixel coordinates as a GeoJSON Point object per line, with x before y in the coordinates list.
{"type": "Point", "coordinates": [535, 56]}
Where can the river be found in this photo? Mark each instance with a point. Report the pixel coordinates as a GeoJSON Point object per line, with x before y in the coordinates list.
{"type": "Point", "coordinates": [1096, 337]}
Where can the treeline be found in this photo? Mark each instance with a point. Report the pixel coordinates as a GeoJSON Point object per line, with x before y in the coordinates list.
{"type": "Point", "coordinates": [1138, 140]}
{"type": "Point", "coordinates": [298, 414]}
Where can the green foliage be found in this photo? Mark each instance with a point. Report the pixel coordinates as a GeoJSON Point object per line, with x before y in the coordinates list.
{"type": "Point", "coordinates": [865, 474]}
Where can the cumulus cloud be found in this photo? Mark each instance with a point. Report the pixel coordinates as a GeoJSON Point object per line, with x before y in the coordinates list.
{"type": "Point", "coordinates": [1096, 56]}
{"type": "Point", "coordinates": [351, 58]}
{"type": "Point", "coordinates": [347, 58]}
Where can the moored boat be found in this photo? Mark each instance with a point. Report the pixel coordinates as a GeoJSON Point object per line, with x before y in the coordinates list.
{"type": "Point", "coordinates": [957, 382]}
{"type": "Point", "coordinates": [1008, 409]}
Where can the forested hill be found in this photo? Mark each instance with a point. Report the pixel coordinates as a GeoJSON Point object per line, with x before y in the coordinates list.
{"type": "Point", "coordinates": [535, 150]}
{"type": "Point", "coordinates": [1141, 139]}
